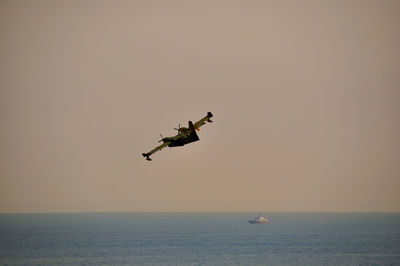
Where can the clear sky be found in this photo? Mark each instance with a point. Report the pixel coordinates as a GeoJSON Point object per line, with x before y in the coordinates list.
{"type": "Point", "coordinates": [306, 98]}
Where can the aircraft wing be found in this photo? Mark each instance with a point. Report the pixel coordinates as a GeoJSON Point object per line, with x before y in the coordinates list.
{"type": "Point", "coordinates": [156, 149]}
{"type": "Point", "coordinates": [202, 121]}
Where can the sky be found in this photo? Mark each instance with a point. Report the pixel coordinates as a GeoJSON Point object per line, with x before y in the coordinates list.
{"type": "Point", "coordinates": [305, 96]}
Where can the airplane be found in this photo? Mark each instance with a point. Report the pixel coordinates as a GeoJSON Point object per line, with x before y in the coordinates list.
{"type": "Point", "coordinates": [185, 136]}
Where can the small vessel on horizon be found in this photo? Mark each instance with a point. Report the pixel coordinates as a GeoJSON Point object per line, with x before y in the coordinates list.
{"type": "Point", "coordinates": [259, 220]}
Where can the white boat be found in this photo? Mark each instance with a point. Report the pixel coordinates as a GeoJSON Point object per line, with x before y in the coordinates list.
{"type": "Point", "coordinates": [259, 220]}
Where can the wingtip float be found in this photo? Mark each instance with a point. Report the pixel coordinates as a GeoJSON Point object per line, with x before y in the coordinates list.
{"type": "Point", "coordinates": [185, 136]}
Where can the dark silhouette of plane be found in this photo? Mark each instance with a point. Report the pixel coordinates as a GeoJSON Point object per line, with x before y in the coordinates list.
{"type": "Point", "coordinates": [185, 136]}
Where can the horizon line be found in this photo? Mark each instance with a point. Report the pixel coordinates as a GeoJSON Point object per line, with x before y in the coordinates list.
{"type": "Point", "coordinates": [88, 212]}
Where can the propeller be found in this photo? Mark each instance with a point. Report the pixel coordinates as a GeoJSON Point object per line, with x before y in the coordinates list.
{"type": "Point", "coordinates": [179, 127]}
{"type": "Point", "coordinates": [161, 138]}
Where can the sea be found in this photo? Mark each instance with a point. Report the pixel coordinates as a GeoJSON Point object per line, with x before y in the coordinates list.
{"type": "Point", "coordinates": [199, 239]}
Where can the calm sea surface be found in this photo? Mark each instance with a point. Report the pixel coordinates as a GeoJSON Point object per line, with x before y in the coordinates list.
{"type": "Point", "coordinates": [200, 239]}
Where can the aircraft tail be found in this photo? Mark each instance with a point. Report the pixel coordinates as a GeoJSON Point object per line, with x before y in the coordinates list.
{"type": "Point", "coordinates": [192, 135]}
{"type": "Point", "coordinates": [191, 126]}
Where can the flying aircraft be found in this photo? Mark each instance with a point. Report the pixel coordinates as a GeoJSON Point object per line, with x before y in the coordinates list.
{"type": "Point", "coordinates": [185, 135]}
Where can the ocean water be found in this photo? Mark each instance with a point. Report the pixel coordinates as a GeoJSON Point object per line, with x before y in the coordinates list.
{"type": "Point", "coordinates": [200, 239]}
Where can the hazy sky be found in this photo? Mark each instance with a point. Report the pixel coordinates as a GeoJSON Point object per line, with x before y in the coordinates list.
{"type": "Point", "coordinates": [305, 94]}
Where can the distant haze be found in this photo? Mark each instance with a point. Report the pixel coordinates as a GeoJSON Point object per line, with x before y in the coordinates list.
{"type": "Point", "coordinates": [306, 98]}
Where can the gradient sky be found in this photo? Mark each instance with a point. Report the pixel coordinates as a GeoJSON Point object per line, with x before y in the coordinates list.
{"type": "Point", "coordinates": [306, 98]}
